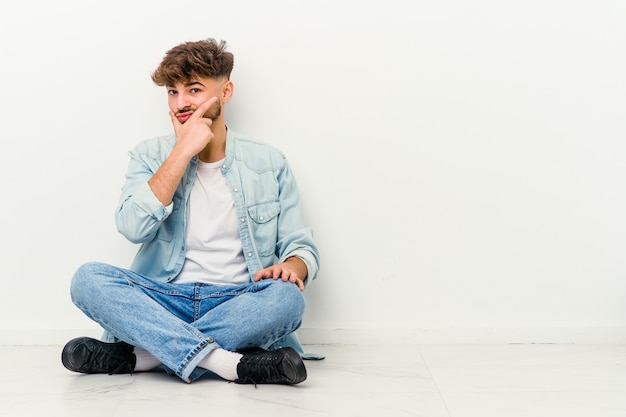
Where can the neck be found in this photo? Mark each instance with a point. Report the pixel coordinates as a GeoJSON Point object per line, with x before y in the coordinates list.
{"type": "Point", "coordinates": [216, 149]}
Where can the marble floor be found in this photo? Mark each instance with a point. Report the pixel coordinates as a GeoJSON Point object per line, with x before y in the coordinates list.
{"type": "Point", "coordinates": [410, 380]}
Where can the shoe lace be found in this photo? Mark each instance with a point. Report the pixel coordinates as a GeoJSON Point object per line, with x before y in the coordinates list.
{"type": "Point", "coordinates": [103, 358]}
{"type": "Point", "coordinates": [262, 368]}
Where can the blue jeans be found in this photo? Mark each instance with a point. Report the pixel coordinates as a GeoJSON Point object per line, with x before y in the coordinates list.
{"type": "Point", "coordinates": [180, 324]}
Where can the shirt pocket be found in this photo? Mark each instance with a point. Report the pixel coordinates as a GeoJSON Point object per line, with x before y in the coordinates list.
{"type": "Point", "coordinates": [264, 223]}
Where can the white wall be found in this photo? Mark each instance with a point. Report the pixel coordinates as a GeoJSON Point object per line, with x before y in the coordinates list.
{"type": "Point", "coordinates": [462, 163]}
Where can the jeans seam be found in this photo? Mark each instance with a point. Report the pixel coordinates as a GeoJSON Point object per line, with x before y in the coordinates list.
{"type": "Point", "coordinates": [189, 360]}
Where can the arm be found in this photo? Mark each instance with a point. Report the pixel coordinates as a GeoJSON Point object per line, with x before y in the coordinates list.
{"type": "Point", "coordinates": [191, 137]}
{"type": "Point", "coordinates": [146, 200]}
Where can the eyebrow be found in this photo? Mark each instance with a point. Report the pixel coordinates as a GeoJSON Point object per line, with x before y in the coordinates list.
{"type": "Point", "coordinates": [189, 84]}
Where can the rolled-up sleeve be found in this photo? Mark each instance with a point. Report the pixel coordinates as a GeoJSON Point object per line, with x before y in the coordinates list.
{"type": "Point", "coordinates": [139, 213]}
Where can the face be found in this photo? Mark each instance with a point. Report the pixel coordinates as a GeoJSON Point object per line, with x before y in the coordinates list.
{"type": "Point", "coordinates": [185, 98]}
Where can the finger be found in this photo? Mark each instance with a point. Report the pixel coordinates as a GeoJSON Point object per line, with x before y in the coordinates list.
{"type": "Point", "coordinates": [199, 113]}
{"type": "Point", "coordinates": [175, 121]}
{"type": "Point", "coordinates": [262, 274]}
{"type": "Point", "coordinates": [300, 284]}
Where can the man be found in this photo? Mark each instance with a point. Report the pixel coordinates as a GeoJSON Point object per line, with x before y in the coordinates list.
{"type": "Point", "coordinates": [225, 253]}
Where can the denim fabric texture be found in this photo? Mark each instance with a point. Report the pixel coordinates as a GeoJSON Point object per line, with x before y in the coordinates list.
{"type": "Point", "coordinates": [181, 323]}
{"type": "Point", "coordinates": [265, 195]}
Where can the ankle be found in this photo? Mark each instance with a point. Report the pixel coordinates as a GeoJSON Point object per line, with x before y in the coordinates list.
{"type": "Point", "coordinates": [222, 362]}
{"type": "Point", "coordinates": [145, 360]}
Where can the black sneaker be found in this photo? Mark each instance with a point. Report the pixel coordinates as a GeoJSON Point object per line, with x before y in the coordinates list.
{"type": "Point", "coordinates": [281, 366]}
{"type": "Point", "coordinates": [91, 356]}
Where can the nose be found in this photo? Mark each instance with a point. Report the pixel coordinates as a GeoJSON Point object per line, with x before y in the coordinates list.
{"type": "Point", "coordinates": [182, 101]}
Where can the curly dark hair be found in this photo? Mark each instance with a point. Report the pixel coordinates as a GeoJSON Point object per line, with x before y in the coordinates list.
{"type": "Point", "coordinates": [206, 58]}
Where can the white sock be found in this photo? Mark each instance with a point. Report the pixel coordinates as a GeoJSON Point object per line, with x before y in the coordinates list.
{"type": "Point", "coordinates": [222, 362]}
{"type": "Point", "coordinates": [145, 360]}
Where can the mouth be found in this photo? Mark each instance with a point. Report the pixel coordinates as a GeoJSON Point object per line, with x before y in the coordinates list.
{"type": "Point", "coordinates": [184, 116]}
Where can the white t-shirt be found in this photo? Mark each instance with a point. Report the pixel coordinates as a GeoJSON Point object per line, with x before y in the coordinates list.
{"type": "Point", "coordinates": [214, 252]}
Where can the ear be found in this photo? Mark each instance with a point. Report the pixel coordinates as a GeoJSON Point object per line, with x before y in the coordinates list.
{"type": "Point", "coordinates": [227, 91]}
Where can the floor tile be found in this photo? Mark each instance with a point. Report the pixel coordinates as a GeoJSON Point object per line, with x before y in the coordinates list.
{"type": "Point", "coordinates": [457, 368]}
{"type": "Point", "coordinates": [537, 404]}
{"type": "Point", "coordinates": [352, 381]}
{"type": "Point", "coordinates": [359, 381]}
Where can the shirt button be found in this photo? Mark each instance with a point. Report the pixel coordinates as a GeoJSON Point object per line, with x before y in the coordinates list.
{"type": "Point", "coordinates": [243, 219]}
{"type": "Point", "coordinates": [235, 190]}
{"type": "Point", "coordinates": [249, 253]}
{"type": "Point", "coordinates": [261, 218]}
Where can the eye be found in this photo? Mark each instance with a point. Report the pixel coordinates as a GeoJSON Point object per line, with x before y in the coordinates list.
{"type": "Point", "coordinates": [195, 90]}
{"type": "Point", "coordinates": [171, 92]}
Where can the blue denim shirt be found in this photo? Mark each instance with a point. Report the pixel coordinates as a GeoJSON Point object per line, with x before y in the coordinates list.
{"type": "Point", "coordinates": [266, 200]}
{"type": "Point", "coordinates": [265, 195]}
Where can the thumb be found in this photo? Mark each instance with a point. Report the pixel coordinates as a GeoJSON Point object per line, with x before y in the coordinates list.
{"type": "Point", "coordinates": [175, 121]}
